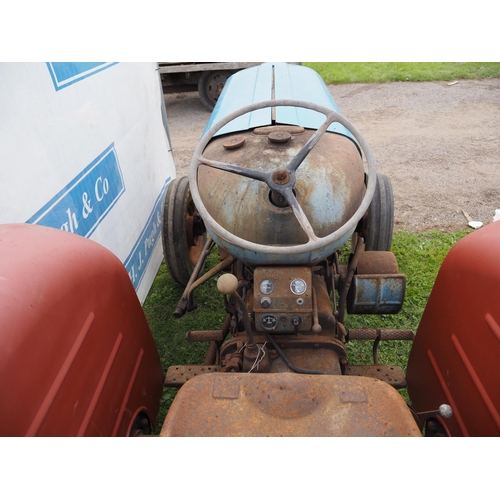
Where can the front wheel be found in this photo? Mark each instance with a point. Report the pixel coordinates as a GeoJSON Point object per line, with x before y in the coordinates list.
{"type": "Point", "coordinates": [183, 232]}
{"type": "Point", "coordinates": [380, 217]}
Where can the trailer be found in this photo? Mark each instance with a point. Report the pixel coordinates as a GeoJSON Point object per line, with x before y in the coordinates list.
{"type": "Point", "coordinates": [206, 78]}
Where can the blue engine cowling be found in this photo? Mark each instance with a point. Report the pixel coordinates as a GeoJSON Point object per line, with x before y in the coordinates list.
{"type": "Point", "coordinates": [244, 215]}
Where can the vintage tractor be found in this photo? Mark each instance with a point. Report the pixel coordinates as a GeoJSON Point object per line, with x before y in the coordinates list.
{"type": "Point", "coordinates": [281, 182]}
{"type": "Point", "coordinates": [284, 187]}
{"type": "Point", "coordinates": [281, 185]}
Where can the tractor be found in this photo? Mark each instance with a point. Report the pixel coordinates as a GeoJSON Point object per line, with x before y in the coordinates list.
{"type": "Point", "coordinates": [281, 187]}
{"type": "Point", "coordinates": [281, 183]}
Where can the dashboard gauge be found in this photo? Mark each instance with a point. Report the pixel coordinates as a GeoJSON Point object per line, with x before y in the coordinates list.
{"type": "Point", "coordinates": [266, 287]}
{"type": "Point", "coordinates": [269, 321]}
{"type": "Point", "coordinates": [298, 286]}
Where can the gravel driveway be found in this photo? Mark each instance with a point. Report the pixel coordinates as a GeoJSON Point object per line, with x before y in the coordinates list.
{"type": "Point", "coordinates": [439, 144]}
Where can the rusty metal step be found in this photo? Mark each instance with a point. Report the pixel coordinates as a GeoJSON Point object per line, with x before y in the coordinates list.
{"type": "Point", "coordinates": [393, 375]}
{"type": "Point", "coordinates": [179, 375]}
{"type": "Point", "coordinates": [205, 336]}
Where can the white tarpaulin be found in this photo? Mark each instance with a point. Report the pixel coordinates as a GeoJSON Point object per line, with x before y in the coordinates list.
{"type": "Point", "coordinates": [84, 147]}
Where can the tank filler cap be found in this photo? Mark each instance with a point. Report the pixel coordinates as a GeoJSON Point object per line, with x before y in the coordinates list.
{"type": "Point", "coordinates": [279, 137]}
{"type": "Point", "coordinates": [233, 142]}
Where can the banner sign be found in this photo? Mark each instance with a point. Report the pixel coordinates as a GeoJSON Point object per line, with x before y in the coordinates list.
{"type": "Point", "coordinates": [67, 73]}
{"type": "Point", "coordinates": [84, 148]}
{"type": "Point", "coordinates": [80, 206]}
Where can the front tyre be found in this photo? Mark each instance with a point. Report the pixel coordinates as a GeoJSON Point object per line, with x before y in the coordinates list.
{"type": "Point", "coordinates": [183, 232]}
{"type": "Point", "coordinates": [380, 217]}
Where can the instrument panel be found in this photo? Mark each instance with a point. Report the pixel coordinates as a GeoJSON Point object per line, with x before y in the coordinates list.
{"type": "Point", "coordinates": [283, 299]}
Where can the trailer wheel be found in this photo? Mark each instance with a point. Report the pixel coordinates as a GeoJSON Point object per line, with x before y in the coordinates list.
{"type": "Point", "coordinates": [183, 232]}
{"type": "Point", "coordinates": [210, 86]}
{"type": "Point", "coordinates": [380, 217]}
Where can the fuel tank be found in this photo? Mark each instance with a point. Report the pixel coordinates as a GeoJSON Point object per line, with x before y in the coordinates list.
{"type": "Point", "coordinates": [255, 152]}
{"type": "Point", "coordinates": [329, 187]}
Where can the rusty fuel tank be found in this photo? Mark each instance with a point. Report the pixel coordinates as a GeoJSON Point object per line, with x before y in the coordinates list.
{"type": "Point", "coordinates": [330, 185]}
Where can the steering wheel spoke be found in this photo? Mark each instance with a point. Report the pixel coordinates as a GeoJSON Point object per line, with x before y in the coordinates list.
{"type": "Point", "coordinates": [299, 214]}
{"type": "Point", "coordinates": [309, 145]}
{"type": "Point", "coordinates": [282, 181]}
{"type": "Point", "coordinates": [236, 169]}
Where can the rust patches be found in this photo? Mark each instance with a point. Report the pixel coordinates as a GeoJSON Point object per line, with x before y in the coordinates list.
{"type": "Point", "coordinates": [233, 142]}
{"type": "Point", "coordinates": [288, 404]}
{"type": "Point", "coordinates": [226, 388]}
{"type": "Point", "coordinates": [281, 176]}
{"type": "Point", "coordinates": [279, 137]}
{"type": "Point", "coordinates": [377, 263]}
{"type": "Point", "coordinates": [329, 187]}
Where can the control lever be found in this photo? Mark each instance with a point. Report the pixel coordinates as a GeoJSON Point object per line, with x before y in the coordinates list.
{"type": "Point", "coordinates": [444, 411]}
{"type": "Point", "coordinates": [227, 284]}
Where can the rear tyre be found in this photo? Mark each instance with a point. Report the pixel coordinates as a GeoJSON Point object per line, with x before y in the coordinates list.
{"type": "Point", "coordinates": [141, 426]}
{"type": "Point", "coordinates": [210, 86]}
{"type": "Point", "coordinates": [380, 217]}
{"type": "Point", "coordinates": [183, 232]}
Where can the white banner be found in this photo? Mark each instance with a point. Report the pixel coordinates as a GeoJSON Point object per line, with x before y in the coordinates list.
{"type": "Point", "coordinates": [84, 147]}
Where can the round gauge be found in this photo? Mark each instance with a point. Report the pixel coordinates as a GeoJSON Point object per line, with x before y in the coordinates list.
{"type": "Point", "coordinates": [298, 286]}
{"type": "Point", "coordinates": [266, 287]}
{"type": "Point", "coordinates": [269, 321]}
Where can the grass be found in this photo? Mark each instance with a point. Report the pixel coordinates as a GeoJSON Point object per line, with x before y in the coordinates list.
{"type": "Point", "coordinates": [373, 72]}
{"type": "Point", "coordinates": [419, 257]}
{"type": "Point", "coordinates": [169, 332]}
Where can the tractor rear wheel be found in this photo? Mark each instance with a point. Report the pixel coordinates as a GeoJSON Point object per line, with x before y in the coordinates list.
{"type": "Point", "coordinates": [183, 232]}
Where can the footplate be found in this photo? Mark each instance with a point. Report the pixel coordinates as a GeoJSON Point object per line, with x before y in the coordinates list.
{"type": "Point", "coordinates": [393, 375]}
{"type": "Point", "coordinates": [179, 375]}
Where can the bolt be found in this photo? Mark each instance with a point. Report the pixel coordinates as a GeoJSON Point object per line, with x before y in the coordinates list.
{"type": "Point", "coordinates": [281, 176]}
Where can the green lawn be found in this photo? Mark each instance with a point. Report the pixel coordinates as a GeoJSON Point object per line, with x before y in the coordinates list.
{"type": "Point", "coordinates": [400, 71]}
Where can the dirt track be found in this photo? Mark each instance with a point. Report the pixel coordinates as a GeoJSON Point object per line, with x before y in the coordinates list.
{"type": "Point", "coordinates": [439, 144]}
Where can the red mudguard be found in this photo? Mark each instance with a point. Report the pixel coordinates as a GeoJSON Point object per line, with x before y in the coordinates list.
{"type": "Point", "coordinates": [76, 354]}
{"type": "Point", "coordinates": [455, 358]}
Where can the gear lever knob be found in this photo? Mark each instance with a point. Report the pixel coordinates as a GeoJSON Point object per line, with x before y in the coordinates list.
{"type": "Point", "coordinates": [227, 284]}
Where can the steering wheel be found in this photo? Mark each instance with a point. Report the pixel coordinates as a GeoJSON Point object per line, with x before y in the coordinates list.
{"type": "Point", "coordinates": [282, 180]}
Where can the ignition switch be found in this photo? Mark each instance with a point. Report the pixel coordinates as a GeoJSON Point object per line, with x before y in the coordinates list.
{"type": "Point", "coordinates": [296, 320]}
